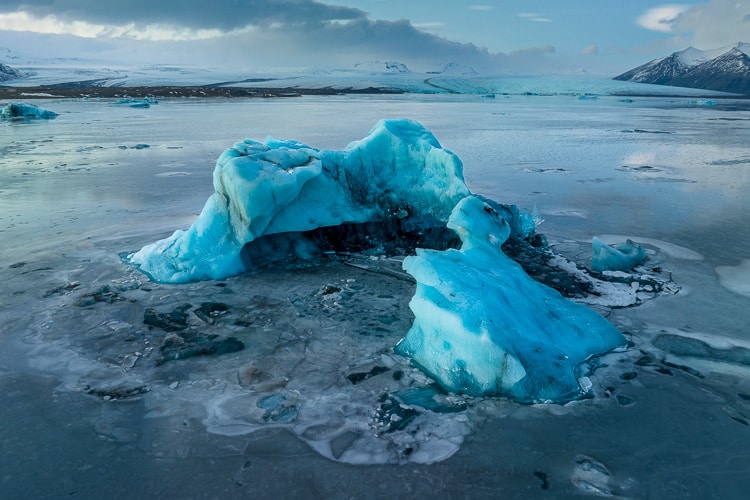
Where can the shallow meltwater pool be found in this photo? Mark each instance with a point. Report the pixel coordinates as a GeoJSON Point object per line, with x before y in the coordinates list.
{"type": "Point", "coordinates": [283, 381]}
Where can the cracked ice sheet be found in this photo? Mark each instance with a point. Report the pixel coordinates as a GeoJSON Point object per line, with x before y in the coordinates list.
{"type": "Point", "coordinates": [304, 348]}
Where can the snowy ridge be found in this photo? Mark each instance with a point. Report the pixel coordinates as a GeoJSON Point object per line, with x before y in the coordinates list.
{"type": "Point", "coordinates": [726, 69]}
{"type": "Point", "coordinates": [383, 67]}
{"type": "Point", "coordinates": [373, 77]}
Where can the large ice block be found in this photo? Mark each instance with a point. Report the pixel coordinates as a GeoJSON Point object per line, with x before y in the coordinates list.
{"type": "Point", "coordinates": [283, 186]}
{"type": "Point", "coordinates": [484, 327]}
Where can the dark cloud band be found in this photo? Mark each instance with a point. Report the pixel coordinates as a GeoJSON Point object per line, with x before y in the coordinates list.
{"type": "Point", "coordinates": [208, 14]}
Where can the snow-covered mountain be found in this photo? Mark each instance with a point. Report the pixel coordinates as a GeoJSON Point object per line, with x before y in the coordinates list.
{"type": "Point", "coordinates": [8, 73]}
{"type": "Point", "coordinates": [726, 69]}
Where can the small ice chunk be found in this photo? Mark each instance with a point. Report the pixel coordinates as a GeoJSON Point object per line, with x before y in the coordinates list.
{"type": "Point", "coordinates": [585, 383]}
{"type": "Point", "coordinates": [137, 103]}
{"type": "Point", "coordinates": [620, 257]}
{"type": "Point", "coordinates": [23, 110]}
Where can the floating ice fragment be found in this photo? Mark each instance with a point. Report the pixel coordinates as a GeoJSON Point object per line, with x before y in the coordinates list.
{"type": "Point", "coordinates": [483, 326]}
{"type": "Point", "coordinates": [621, 257]}
{"type": "Point", "coordinates": [24, 110]}
{"type": "Point", "coordinates": [675, 251]}
{"type": "Point", "coordinates": [137, 103]}
{"type": "Point", "coordinates": [591, 477]}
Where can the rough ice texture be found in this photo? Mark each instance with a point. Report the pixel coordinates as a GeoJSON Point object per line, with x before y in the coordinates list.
{"type": "Point", "coordinates": [483, 326]}
{"type": "Point", "coordinates": [620, 257]}
{"type": "Point", "coordinates": [283, 186]}
{"type": "Point", "coordinates": [25, 110]}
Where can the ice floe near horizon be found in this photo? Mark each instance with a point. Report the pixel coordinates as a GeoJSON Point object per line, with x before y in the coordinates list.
{"type": "Point", "coordinates": [23, 110]}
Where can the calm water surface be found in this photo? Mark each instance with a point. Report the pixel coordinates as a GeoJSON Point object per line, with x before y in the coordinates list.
{"type": "Point", "coordinates": [100, 180]}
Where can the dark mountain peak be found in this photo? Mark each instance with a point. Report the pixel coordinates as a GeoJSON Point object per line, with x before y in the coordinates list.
{"type": "Point", "coordinates": [659, 71]}
{"type": "Point", "coordinates": [8, 73]}
{"type": "Point", "coordinates": [725, 70]}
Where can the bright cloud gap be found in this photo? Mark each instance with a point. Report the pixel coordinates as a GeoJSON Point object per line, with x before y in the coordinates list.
{"type": "Point", "coordinates": [661, 18]}
{"type": "Point", "coordinates": [21, 21]}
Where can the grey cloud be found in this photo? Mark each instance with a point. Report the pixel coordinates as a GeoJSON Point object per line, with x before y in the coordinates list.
{"type": "Point", "coordinates": [395, 38]}
{"type": "Point", "coordinates": [287, 33]}
{"type": "Point", "coordinates": [714, 24]}
{"type": "Point", "coordinates": [208, 14]}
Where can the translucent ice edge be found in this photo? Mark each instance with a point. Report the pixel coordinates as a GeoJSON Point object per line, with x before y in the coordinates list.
{"type": "Point", "coordinates": [618, 257]}
{"type": "Point", "coordinates": [482, 326]}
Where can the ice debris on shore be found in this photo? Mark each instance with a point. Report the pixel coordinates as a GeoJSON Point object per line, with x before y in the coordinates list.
{"type": "Point", "coordinates": [482, 326]}
{"type": "Point", "coordinates": [23, 110]}
{"type": "Point", "coordinates": [620, 257]}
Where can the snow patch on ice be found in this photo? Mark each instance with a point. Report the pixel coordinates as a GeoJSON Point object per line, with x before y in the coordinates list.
{"type": "Point", "coordinates": [736, 278]}
{"type": "Point", "coordinates": [173, 174]}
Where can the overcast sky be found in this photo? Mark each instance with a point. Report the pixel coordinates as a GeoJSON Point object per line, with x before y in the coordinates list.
{"type": "Point", "coordinates": [519, 36]}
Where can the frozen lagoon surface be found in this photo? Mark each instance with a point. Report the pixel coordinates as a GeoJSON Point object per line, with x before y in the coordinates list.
{"type": "Point", "coordinates": [317, 393]}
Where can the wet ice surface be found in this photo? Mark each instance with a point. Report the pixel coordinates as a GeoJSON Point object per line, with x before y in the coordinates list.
{"type": "Point", "coordinates": [317, 384]}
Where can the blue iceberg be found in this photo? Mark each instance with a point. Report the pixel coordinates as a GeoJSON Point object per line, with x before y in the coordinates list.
{"type": "Point", "coordinates": [23, 110]}
{"type": "Point", "coordinates": [620, 257]}
{"type": "Point", "coordinates": [482, 325]}
{"type": "Point", "coordinates": [281, 186]}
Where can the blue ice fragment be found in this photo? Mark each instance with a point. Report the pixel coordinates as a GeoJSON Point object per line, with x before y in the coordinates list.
{"type": "Point", "coordinates": [23, 110]}
{"type": "Point", "coordinates": [620, 257]}
{"type": "Point", "coordinates": [484, 327]}
{"type": "Point", "coordinates": [137, 103]}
